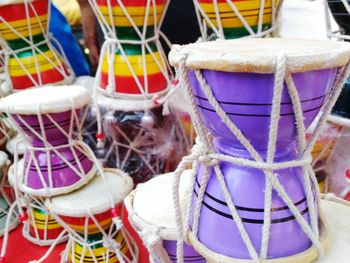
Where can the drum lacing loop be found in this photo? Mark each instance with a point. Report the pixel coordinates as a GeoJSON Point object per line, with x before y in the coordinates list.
{"type": "Point", "coordinates": [151, 239]}
{"type": "Point", "coordinates": [118, 223]}
{"type": "Point", "coordinates": [207, 161]}
{"type": "Point", "coordinates": [112, 245]}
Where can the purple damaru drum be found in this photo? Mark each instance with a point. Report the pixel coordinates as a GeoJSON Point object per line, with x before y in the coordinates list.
{"type": "Point", "coordinates": [48, 160]}
{"type": "Point", "coordinates": [56, 162]}
{"type": "Point", "coordinates": [247, 98]}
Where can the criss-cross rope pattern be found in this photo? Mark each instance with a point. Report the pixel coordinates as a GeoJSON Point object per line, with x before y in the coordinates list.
{"type": "Point", "coordinates": [74, 143]}
{"type": "Point", "coordinates": [217, 14]}
{"type": "Point", "coordinates": [335, 33]}
{"type": "Point", "coordinates": [203, 153]}
{"type": "Point", "coordinates": [58, 60]}
{"type": "Point", "coordinates": [116, 239]}
{"type": "Point", "coordinates": [114, 44]}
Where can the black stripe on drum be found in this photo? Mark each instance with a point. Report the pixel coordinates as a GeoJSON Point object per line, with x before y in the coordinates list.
{"type": "Point", "coordinates": [260, 104]}
{"type": "Point", "coordinates": [187, 258]}
{"type": "Point", "coordinates": [46, 126]}
{"type": "Point", "coordinates": [42, 221]}
{"type": "Point", "coordinates": [235, 17]}
{"type": "Point", "coordinates": [231, 12]}
{"type": "Point", "coordinates": [260, 115]}
{"type": "Point", "coordinates": [43, 168]}
{"type": "Point", "coordinates": [248, 209]}
{"type": "Point", "coordinates": [254, 221]}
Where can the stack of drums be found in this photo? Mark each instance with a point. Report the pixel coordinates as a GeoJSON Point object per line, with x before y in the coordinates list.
{"type": "Point", "coordinates": [131, 82]}
{"type": "Point", "coordinates": [252, 186]}
{"type": "Point", "coordinates": [30, 58]}
{"type": "Point", "coordinates": [57, 163]}
{"type": "Point", "coordinates": [227, 19]}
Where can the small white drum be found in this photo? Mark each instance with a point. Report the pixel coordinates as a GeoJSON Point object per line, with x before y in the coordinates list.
{"type": "Point", "coordinates": [90, 215]}
{"type": "Point", "coordinates": [50, 120]}
{"type": "Point", "coordinates": [151, 212]}
{"type": "Point", "coordinates": [39, 227]}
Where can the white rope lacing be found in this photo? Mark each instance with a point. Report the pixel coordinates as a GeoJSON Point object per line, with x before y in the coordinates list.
{"type": "Point", "coordinates": [113, 44]}
{"type": "Point", "coordinates": [59, 62]}
{"type": "Point", "coordinates": [335, 33]}
{"type": "Point", "coordinates": [216, 24]}
{"type": "Point", "coordinates": [204, 153]}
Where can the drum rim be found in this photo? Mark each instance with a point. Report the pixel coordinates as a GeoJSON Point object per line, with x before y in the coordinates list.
{"type": "Point", "coordinates": [3, 158]}
{"type": "Point", "coordinates": [308, 255]}
{"type": "Point", "coordinates": [127, 103]}
{"type": "Point", "coordinates": [49, 192]}
{"type": "Point", "coordinates": [72, 94]}
{"type": "Point", "coordinates": [101, 208]}
{"type": "Point", "coordinates": [10, 145]}
{"type": "Point", "coordinates": [200, 57]}
{"type": "Point", "coordinates": [166, 232]}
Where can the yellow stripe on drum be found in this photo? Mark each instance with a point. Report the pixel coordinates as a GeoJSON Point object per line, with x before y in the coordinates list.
{"type": "Point", "coordinates": [137, 14]}
{"type": "Point", "coordinates": [92, 228]}
{"type": "Point", "coordinates": [235, 22]}
{"type": "Point", "coordinates": [99, 252]}
{"type": "Point", "coordinates": [21, 26]}
{"type": "Point", "coordinates": [40, 222]}
{"type": "Point", "coordinates": [29, 63]}
{"type": "Point", "coordinates": [240, 5]}
{"type": "Point", "coordinates": [122, 69]}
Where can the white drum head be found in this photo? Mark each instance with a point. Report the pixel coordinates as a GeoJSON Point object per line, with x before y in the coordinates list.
{"type": "Point", "coordinates": [153, 200]}
{"type": "Point", "coordinates": [3, 158]}
{"type": "Point", "coordinates": [259, 55]}
{"type": "Point", "coordinates": [93, 196]}
{"type": "Point", "coordinates": [339, 120]}
{"type": "Point", "coordinates": [49, 99]}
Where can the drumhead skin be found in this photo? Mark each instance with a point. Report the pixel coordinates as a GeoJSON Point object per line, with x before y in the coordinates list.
{"type": "Point", "coordinates": [49, 99]}
{"type": "Point", "coordinates": [259, 55]}
{"type": "Point", "coordinates": [93, 196]}
{"type": "Point", "coordinates": [153, 201]}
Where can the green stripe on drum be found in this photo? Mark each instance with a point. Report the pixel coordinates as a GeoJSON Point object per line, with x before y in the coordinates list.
{"type": "Point", "coordinates": [238, 32]}
{"type": "Point", "coordinates": [29, 53]}
{"type": "Point", "coordinates": [20, 43]}
{"type": "Point", "coordinates": [129, 33]}
{"type": "Point", "coordinates": [136, 50]}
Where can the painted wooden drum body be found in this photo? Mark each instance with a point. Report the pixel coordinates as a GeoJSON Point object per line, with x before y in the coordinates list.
{"type": "Point", "coordinates": [235, 75]}
{"type": "Point", "coordinates": [30, 58]}
{"type": "Point", "coordinates": [132, 61]}
{"type": "Point", "coordinates": [55, 162]}
{"type": "Point", "coordinates": [89, 219]}
{"type": "Point", "coordinates": [229, 19]}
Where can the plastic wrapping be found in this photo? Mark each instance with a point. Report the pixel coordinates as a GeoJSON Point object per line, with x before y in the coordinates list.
{"type": "Point", "coordinates": [140, 143]}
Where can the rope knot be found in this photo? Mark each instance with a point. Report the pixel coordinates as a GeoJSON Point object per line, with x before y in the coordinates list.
{"type": "Point", "coordinates": [118, 223]}
{"type": "Point", "coordinates": [110, 244]}
{"type": "Point", "coordinates": [151, 239]}
{"type": "Point", "coordinates": [207, 161]}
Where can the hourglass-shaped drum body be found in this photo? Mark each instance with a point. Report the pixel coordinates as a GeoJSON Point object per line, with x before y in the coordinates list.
{"type": "Point", "coordinates": [30, 59]}
{"type": "Point", "coordinates": [224, 16]}
{"type": "Point", "coordinates": [243, 85]}
{"type": "Point", "coordinates": [134, 59]}
{"type": "Point", "coordinates": [90, 218]}
{"type": "Point", "coordinates": [55, 162]}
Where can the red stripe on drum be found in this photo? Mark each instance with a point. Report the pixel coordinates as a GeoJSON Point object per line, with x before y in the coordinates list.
{"type": "Point", "coordinates": [47, 77]}
{"type": "Point", "coordinates": [50, 233]}
{"type": "Point", "coordinates": [128, 85]}
{"type": "Point", "coordinates": [131, 3]}
{"type": "Point", "coordinates": [18, 12]}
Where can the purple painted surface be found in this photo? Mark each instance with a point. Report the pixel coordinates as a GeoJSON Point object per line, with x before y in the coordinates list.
{"type": "Point", "coordinates": [48, 160]}
{"type": "Point", "coordinates": [247, 99]}
{"type": "Point", "coordinates": [190, 255]}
